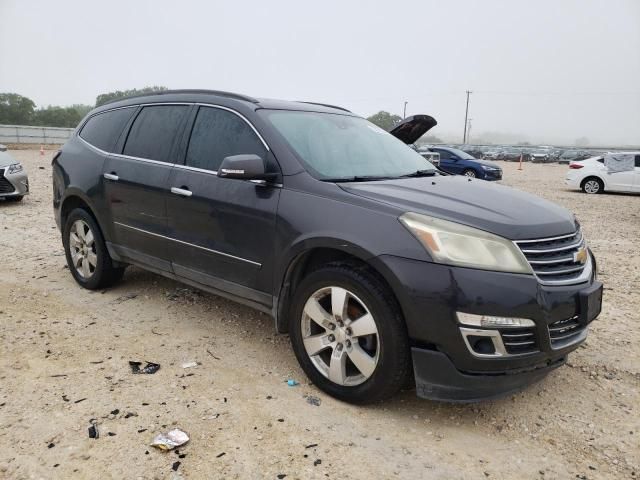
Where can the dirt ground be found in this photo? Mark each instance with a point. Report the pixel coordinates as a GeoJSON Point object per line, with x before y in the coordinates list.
{"type": "Point", "coordinates": [64, 355]}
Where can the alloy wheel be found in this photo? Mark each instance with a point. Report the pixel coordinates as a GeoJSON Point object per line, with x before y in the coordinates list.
{"type": "Point", "coordinates": [591, 186]}
{"type": "Point", "coordinates": [340, 336]}
{"type": "Point", "coordinates": [470, 173]}
{"type": "Point", "coordinates": [83, 249]}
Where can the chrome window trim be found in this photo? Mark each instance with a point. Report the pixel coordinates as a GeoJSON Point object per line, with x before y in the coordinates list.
{"type": "Point", "coordinates": [228, 255]}
{"type": "Point", "coordinates": [196, 169]}
{"type": "Point", "coordinates": [119, 155]}
{"type": "Point", "coordinates": [212, 105]}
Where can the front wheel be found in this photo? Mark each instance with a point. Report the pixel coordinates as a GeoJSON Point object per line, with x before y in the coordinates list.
{"type": "Point", "coordinates": [348, 334]}
{"type": "Point", "coordinates": [87, 255]}
{"type": "Point", "coordinates": [469, 173]}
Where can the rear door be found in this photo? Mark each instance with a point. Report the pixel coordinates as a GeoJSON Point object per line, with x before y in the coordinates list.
{"type": "Point", "coordinates": [136, 183]}
{"type": "Point", "coordinates": [222, 229]}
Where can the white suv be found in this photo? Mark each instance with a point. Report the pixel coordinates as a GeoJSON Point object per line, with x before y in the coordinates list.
{"type": "Point", "coordinates": [592, 176]}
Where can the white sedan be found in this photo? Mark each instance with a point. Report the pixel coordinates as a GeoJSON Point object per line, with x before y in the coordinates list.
{"type": "Point", "coordinates": [592, 176]}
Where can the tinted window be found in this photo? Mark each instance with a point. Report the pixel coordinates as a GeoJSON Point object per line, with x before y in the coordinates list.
{"type": "Point", "coordinates": [103, 130]}
{"type": "Point", "coordinates": [444, 155]}
{"type": "Point", "coordinates": [218, 134]}
{"type": "Point", "coordinates": [153, 131]}
{"type": "Point", "coordinates": [637, 160]}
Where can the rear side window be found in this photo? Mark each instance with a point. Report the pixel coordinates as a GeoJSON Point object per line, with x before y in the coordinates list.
{"type": "Point", "coordinates": [153, 132]}
{"type": "Point", "coordinates": [637, 160]}
{"type": "Point", "coordinates": [218, 134]}
{"type": "Point", "coordinates": [102, 130]}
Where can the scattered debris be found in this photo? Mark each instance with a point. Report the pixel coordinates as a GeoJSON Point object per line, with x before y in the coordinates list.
{"type": "Point", "coordinates": [189, 364]}
{"type": "Point", "coordinates": [115, 412]}
{"type": "Point", "coordinates": [175, 466]}
{"type": "Point", "coordinates": [124, 298]}
{"type": "Point", "coordinates": [51, 445]}
{"type": "Point", "coordinates": [142, 430]}
{"type": "Point", "coordinates": [221, 454]}
{"type": "Point", "coordinates": [93, 429]}
{"type": "Point", "coordinates": [292, 383]}
{"type": "Point", "coordinates": [149, 368]}
{"type": "Point", "coordinates": [64, 397]}
{"type": "Point", "coordinates": [311, 445]}
{"type": "Point", "coordinates": [311, 400]}
{"type": "Point", "coordinates": [111, 434]}
{"type": "Point", "coordinates": [281, 419]}
{"type": "Point", "coordinates": [217, 358]}
{"type": "Point", "coordinates": [172, 439]}
{"type": "Point", "coordinates": [281, 476]}
{"type": "Point", "coordinates": [317, 462]}
{"type": "Point", "coordinates": [81, 400]}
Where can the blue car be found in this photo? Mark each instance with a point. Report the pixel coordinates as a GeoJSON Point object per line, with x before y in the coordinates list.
{"type": "Point", "coordinates": [458, 162]}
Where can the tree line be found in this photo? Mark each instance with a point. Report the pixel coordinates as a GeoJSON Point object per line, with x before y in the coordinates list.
{"type": "Point", "coordinates": [16, 109]}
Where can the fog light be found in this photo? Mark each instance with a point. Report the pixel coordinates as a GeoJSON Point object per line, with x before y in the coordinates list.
{"type": "Point", "coordinates": [489, 321]}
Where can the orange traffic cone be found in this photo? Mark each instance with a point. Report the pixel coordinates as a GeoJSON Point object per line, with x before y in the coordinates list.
{"type": "Point", "coordinates": [41, 150]}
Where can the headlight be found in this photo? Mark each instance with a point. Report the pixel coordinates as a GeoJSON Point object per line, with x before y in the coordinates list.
{"type": "Point", "coordinates": [485, 167]}
{"type": "Point", "coordinates": [455, 244]}
{"type": "Point", "coordinates": [15, 168]}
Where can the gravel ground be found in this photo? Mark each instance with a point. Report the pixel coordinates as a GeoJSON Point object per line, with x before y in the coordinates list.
{"type": "Point", "coordinates": [64, 355]}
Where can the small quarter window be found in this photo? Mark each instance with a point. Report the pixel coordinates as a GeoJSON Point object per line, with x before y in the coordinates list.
{"type": "Point", "coordinates": [102, 130]}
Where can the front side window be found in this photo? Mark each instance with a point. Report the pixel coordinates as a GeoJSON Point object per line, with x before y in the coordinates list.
{"type": "Point", "coordinates": [340, 147]}
{"type": "Point", "coordinates": [102, 130]}
{"type": "Point", "coordinates": [217, 134]}
{"type": "Point", "coordinates": [154, 130]}
{"type": "Point", "coordinates": [444, 155]}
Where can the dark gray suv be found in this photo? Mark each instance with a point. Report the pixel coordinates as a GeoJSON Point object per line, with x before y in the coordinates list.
{"type": "Point", "coordinates": [380, 268]}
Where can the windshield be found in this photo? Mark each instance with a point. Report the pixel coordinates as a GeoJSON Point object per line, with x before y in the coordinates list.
{"type": "Point", "coordinates": [341, 147]}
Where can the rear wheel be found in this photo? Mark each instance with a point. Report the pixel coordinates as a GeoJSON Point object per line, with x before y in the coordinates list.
{"type": "Point", "coordinates": [469, 173]}
{"type": "Point", "coordinates": [592, 185]}
{"type": "Point", "coordinates": [87, 255]}
{"type": "Point", "coordinates": [348, 334]}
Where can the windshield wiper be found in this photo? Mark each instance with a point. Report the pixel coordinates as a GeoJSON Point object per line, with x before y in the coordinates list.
{"type": "Point", "coordinates": [421, 173]}
{"type": "Point", "coordinates": [357, 178]}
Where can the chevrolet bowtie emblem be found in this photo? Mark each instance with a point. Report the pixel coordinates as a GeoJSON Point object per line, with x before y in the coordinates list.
{"type": "Point", "coordinates": [580, 256]}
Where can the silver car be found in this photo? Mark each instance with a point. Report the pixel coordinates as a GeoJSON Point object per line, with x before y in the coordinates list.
{"type": "Point", "coordinates": [14, 183]}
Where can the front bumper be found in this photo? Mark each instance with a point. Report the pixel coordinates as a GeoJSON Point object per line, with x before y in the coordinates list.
{"type": "Point", "coordinates": [445, 366]}
{"type": "Point", "coordinates": [13, 184]}
{"type": "Point", "coordinates": [492, 174]}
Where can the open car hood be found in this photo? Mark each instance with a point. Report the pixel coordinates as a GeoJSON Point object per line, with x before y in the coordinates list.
{"type": "Point", "coordinates": [412, 128]}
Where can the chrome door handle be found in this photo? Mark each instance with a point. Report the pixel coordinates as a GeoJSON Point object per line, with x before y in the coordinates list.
{"type": "Point", "coordinates": [111, 176]}
{"type": "Point", "coordinates": [181, 191]}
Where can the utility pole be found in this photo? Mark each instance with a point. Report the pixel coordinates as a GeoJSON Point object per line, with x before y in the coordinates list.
{"type": "Point", "coordinates": [404, 112]}
{"type": "Point", "coordinates": [469, 130]}
{"type": "Point", "coordinates": [466, 116]}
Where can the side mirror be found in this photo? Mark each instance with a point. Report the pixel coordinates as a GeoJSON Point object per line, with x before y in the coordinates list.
{"type": "Point", "coordinates": [244, 167]}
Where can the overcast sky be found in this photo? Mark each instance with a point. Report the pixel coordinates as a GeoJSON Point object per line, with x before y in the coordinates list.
{"type": "Point", "coordinates": [547, 71]}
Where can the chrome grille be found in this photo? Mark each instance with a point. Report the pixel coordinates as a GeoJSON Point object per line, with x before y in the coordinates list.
{"type": "Point", "coordinates": [564, 332]}
{"type": "Point", "coordinates": [519, 340]}
{"type": "Point", "coordinates": [5, 185]}
{"type": "Point", "coordinates": [553, 259]}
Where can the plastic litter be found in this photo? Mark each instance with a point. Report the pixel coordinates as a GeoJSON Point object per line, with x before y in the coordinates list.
{"type": "Point", "coordinates": [292, 383]}
{"type": "Point", "coordinates": [170, 440]}
{"type": "Point", "coordinates": [149, 368]}
{"type": "Point", "coordinates": [189, 364]}
{"type": "Point", "coordinates": [93, 429]}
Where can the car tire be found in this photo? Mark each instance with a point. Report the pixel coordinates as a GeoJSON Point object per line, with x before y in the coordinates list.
{"type": "Point", "coordinates": [362, 354]}
{"type": "Point", "coordinates": [87, 255]}
{"type": "Point", "coordinates": [592, 185]}
{"type": "Point", "coordinates": [17, 198]}
{"type": "Point", "coordinates": [469, 172]}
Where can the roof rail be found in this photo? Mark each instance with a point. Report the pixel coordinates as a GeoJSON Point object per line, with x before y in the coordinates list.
{"type": "Point", "coordinates": [219, 93]}
{"type": "Point", "coordinates": [327, 105]}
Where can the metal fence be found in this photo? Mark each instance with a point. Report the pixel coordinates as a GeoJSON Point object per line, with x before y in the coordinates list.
{"type": "Point", "coordinates": [35, 135]}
